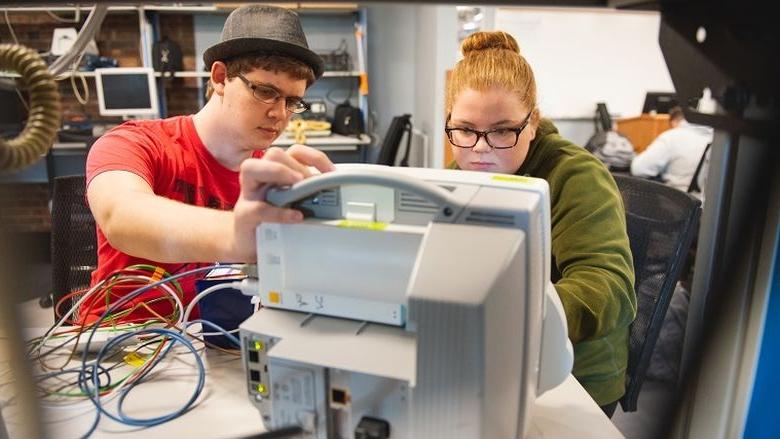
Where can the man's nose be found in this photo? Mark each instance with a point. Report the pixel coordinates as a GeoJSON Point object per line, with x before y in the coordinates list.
{"type": "Point", "coordinates": [278, 109]}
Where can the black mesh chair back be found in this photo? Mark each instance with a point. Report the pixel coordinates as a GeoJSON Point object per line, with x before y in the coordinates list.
{"type": "Point", "coordinates": [73, 238]}
{"type": "Point", "coordinates": [661, 222]}
{"type": "Point", "coordinates": [398, 126]}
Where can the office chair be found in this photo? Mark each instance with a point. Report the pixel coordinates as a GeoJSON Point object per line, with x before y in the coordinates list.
{"type": "Point", "coordinates": [613, 148]}
{"type": "Point", "coordinates": [73, 238]}
{"type": "Point", "coordinates": [661, 222]}
{"type": "Point", "coordinates": [389, 150]}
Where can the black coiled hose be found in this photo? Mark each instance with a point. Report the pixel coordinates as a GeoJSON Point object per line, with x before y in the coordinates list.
{"type": "Point", "coordinates": [43, 121]}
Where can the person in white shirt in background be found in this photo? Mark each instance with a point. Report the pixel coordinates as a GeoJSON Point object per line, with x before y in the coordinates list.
{"type": "Point", "coordinates": [674, 154]}
{"type": "Point", "coordinates": [673, 158]}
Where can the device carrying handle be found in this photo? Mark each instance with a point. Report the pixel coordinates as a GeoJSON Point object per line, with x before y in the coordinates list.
{"type": "Point", "coordinates": [449, 206]}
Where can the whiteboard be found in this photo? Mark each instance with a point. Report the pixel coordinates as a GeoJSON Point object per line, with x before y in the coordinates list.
{"type": "Point", "coordinates": [583, 56]}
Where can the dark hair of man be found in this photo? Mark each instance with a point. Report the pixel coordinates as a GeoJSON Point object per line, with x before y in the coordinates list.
{"type": "Point", "coordinates": [272, 62]}
{"type": "Point", "coordinates": [676, 113]}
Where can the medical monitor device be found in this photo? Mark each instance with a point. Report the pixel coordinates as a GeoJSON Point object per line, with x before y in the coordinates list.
{"type": "Point", "coordinates": [659, 102]}
{"type": "Point", "coordinates": [127, 91]}
{"type": "Point", "coordinates": [411, 301]}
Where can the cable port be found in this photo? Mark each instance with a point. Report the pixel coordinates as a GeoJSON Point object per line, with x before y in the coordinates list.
{"type": "Point", "coordinates": [339, 396]}
{"type": "Point", "coordinates": [372, 428]}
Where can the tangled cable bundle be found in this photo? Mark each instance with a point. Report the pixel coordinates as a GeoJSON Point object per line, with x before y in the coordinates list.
{"type": "Point", "coordinates": [136, 351]}
{"type": "Point", "coordinates": [43, 121]}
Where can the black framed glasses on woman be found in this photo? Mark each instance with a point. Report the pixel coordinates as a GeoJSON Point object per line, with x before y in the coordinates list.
{"type": "Point", "coordinates": [498, 138]}
{"type": "Point", "coordinates": [270, 95]}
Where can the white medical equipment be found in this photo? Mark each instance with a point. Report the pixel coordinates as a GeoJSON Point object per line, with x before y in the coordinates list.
{"type": "Point", "coordinates": [411, 303]}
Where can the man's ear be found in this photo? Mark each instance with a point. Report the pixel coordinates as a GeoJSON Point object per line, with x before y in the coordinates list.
{"type": "Point", "coordinates": [218, 77]}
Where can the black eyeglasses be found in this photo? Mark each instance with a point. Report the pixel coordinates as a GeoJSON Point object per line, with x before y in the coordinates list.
{"type": "Point", "coordinates": [269, 95]}
{"type": "Point", "coordinates": [499, 138]}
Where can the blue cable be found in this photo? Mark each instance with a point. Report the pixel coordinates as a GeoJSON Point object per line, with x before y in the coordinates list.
{"type": "Point", "coordinates": [94, 391]}
{"type": "Point", "coordinates": [137, 292]}
{"type": "Point", "coordinates": [83, 378]}
{"type": "Point", "coordinates": [218, 328]}
{"type": "Point", "coordinates": [131, 421]}
{"type": "Point", "coordinates": [160, 419]}
{"type": "Point", "coordinates": [118, 304]}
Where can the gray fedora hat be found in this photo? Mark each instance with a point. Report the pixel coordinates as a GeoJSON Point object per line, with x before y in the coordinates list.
{"type": "Point", "coordinates": [262, 28]}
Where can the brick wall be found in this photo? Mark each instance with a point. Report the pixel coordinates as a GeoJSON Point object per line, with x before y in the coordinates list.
{"type": "Point", "coordinates": [181, 94]}
{"type": "Point", "coordinates": [118, 38]}
{"type": "Point", "coordinates": [25, 205]}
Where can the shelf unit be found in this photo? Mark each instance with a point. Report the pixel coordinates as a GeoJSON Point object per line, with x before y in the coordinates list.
{"type": "Point", "coordinates": [324, 23]}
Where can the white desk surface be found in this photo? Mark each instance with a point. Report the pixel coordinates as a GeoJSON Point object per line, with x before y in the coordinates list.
{"type": "Point", "coordinates": [224, 411]}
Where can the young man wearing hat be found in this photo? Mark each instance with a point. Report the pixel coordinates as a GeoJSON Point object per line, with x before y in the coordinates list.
{"type": "Point", "coordinates": [190, 189]}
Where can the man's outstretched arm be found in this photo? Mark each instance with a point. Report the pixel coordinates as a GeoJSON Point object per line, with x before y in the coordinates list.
{"type": "Point", "coordinates": [138, 222]}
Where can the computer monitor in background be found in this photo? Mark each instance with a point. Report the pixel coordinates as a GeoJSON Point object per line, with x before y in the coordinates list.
{"type": "Point", "coordinates": [127, 91]}
{"type": "Point", "coordinates": [659, 102]}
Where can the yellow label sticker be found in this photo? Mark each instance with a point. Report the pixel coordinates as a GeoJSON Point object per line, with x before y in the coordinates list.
{"type": "Point", "coordinates": [259, 345]}
{"type": "Point", "coordinates": [367, 225]}
{"type": "Point", "coordinates": [274, 297]}
{"type": "Point", "coordinates": [135, 359]}
{"type": "Point", "coordinates": [511, 178]}
{"type": "Point", "coordinates": [158, 274]}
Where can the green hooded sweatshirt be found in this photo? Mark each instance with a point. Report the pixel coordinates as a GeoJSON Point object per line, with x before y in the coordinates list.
{"type": "Point", "coordinates": [592, 267]}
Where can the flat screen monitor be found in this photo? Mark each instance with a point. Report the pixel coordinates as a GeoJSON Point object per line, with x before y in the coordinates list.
{"type": "Point", "coordinates": [659, 102]}
{"type": "Point", "coordinates": [126, 91]}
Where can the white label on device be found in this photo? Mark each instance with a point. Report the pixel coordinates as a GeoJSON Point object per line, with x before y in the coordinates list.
{"type": "Point", "coordinates": [337, 306]}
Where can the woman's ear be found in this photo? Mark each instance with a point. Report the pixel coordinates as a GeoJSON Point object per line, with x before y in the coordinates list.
{"type": "Point", "coordinates": [218, 77]}
{"type": "Point", "coordinates": [534, 123]}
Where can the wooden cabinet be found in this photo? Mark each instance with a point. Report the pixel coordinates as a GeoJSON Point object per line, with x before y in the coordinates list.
{"type": "Point", "coordinates": [642, 130]}
{"type": "Point", "coordinates": [448, 156]}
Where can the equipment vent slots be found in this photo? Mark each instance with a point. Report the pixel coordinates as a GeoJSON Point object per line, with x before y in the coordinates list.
{"type": "Point", "coordinates": [328, 197]}
{"type": "Point", "coordinates": [479, 217]}
{"type": "Point", "coordinates": [412, 203]}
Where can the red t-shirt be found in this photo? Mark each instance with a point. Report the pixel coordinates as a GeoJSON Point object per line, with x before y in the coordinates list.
{"type": "Point", "coordinates": [171, 157]}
